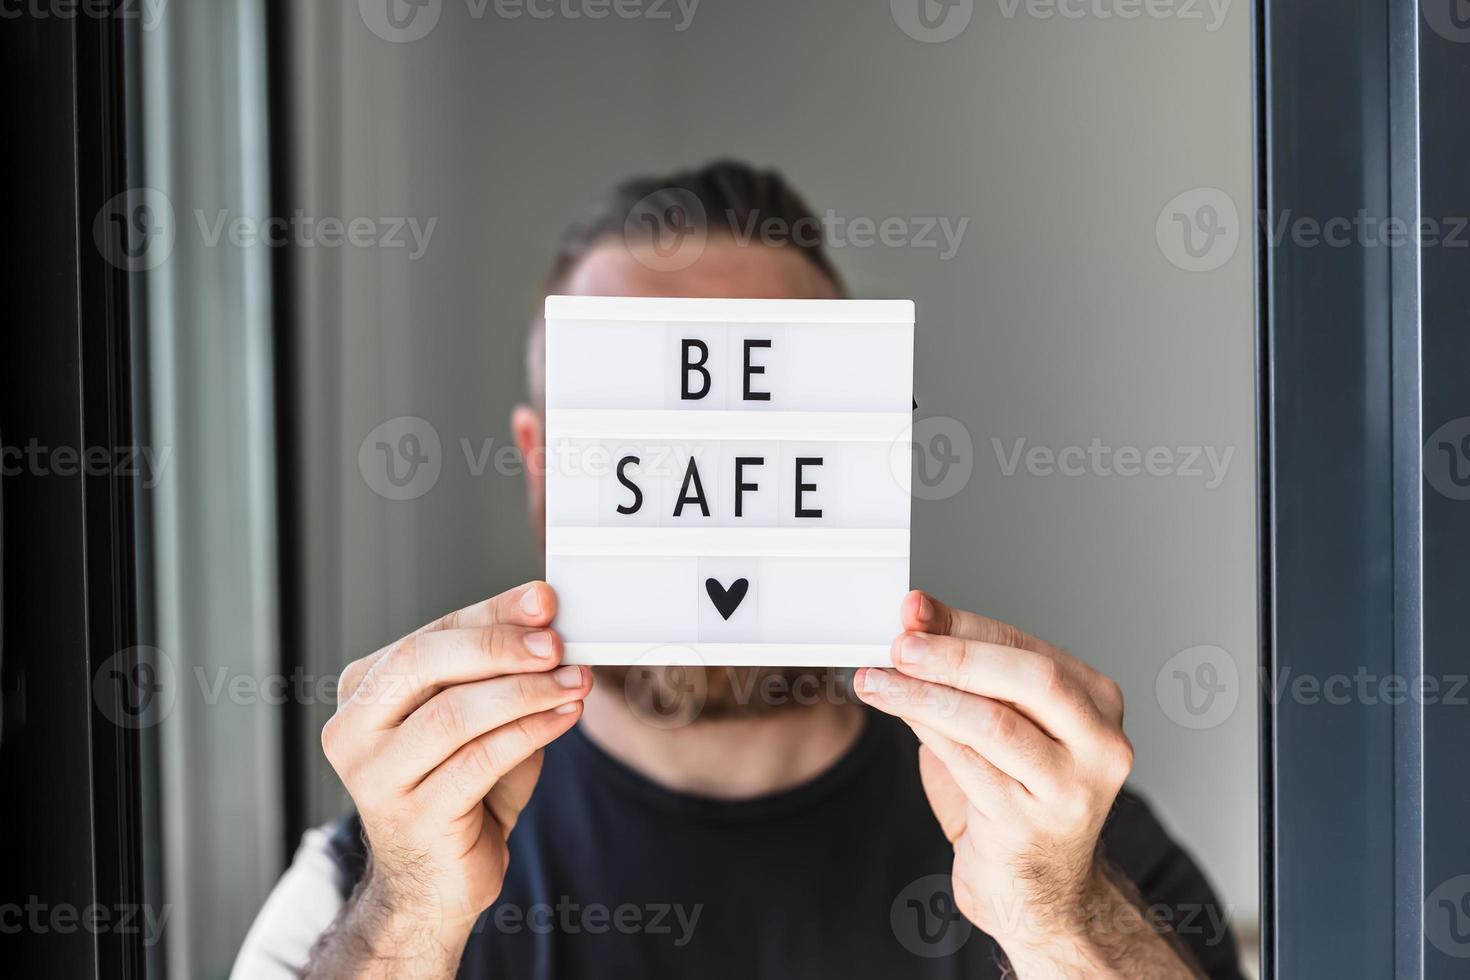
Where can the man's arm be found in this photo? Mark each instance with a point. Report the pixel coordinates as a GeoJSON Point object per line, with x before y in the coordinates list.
{"type": "Point", "coordinates": [438, 739]}
{"type": "Point", "coordinates": [1023, 756]}
{"type": "Point", "coordinates": [1111, 935]}
{"type": "Point", "coordinates": [370, 938]}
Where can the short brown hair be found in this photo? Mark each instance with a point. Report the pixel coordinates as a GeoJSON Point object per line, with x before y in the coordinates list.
{"type": "Point", "coordinates": [730, 196]}
{"type": "Point", "coordinates": [727, 197]}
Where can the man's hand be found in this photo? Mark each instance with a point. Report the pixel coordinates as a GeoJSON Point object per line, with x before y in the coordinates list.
{"type": "Point", "coordinates": [1022, 756]}
{"type": "Point", "coordinates": [438, 739]}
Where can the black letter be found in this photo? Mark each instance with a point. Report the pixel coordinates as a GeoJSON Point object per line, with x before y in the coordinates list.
{"type": "Point", "coordinates": [691, 472]}
{"type": "Point", "coordinates": [637, 494]}
{"type": "Point", "coordinates": [689, 365]}
{"type": "Point", "coordinates": [800, 487]}
{"type": "Point", "coordinates": [754, 396]}
{"type": "Point", "coordinates": [740, 463]}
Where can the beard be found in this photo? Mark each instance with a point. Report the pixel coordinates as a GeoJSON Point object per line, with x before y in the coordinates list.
{"type": "Point", "coordinates": [673, 696]}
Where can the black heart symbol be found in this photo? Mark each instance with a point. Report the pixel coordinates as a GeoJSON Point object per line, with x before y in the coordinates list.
{"type": "Point", "coordinates": [726, 600]}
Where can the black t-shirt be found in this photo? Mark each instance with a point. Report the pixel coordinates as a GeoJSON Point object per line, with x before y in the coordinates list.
{"type": "Point", "coordinates": [846, 876]}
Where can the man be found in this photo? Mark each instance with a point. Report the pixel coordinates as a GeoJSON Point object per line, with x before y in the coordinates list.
{"type": "Point", "coordinates": [956, 815]}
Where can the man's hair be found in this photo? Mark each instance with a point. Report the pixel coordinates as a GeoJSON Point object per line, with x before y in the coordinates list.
{"type": "Point", "coordinates": [722, 197]}
{"type": "Point", "coordinates": [727, 196]}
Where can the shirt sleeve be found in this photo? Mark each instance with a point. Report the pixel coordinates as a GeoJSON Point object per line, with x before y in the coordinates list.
{"type": "Point", "coordinates": [1174, 889]}
{"type": "Point", "coordinates": [299, 909]}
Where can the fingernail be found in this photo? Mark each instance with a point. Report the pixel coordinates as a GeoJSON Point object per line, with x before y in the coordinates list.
{"type": "Point", "coordinates": [913, 649]}
{"type": "Point", "coordinates": [926, 608]}
{"type": "Point", "coordinates": [566, 709]}
{"type": "Point", "coordinates": [569, 676]}
{"type": "Point", "coordinates": [873, 681]}
{"type": "Point", "coordinates": [539, 643]}
{"type": "Point", "coordinates": [531, 601]}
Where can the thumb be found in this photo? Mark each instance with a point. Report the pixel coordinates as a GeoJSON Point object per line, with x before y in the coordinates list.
{"type": "Point", "coordinates": [945, 796]}
{"type": "Point", "coordinates": [510, 794]}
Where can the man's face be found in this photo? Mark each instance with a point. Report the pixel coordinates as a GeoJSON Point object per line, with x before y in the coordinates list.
{"type": "Point", "coordinates": [726, 269]}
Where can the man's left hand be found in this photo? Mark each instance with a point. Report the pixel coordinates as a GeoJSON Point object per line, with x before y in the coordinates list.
{"type": "Point", "coordinates": [1022, 756]}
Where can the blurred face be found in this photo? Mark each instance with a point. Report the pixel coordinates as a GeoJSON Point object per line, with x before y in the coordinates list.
{"type": "Point", "coordinates": [724, 268]}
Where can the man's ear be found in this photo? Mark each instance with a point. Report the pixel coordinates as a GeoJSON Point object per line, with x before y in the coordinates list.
{"type": "Point", "coordinates": [530, 437]}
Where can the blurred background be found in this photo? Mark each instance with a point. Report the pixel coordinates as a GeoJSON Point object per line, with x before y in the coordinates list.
{"type": "Point", "coordinates": [1068, 186]}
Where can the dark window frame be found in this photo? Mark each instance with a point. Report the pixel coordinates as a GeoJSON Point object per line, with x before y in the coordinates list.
{"type": "Point", "coordinates": [1364, 349]}
{"type": "Point", "coordinates": [79, 809]}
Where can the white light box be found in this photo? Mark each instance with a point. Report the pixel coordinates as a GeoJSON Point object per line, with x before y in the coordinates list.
{"type": "Point", "coordinates": [727, 480]}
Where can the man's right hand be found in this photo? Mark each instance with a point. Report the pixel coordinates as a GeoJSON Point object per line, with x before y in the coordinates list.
{"type": "Point", "coordinates": [438, 739]}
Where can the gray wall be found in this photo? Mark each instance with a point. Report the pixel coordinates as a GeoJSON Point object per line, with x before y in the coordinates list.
{"type": "Point", "coordinates": [1059, 320]}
